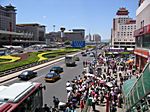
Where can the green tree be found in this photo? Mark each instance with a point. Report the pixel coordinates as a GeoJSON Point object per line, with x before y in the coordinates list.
{"type": "Point", "coordinates": [67, 42]}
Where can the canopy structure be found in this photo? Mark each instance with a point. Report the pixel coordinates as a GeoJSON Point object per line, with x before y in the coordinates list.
{"type": "Point", "coordinates": [127, 86]}
{"type": "Point", "coordinates": [137, 90]}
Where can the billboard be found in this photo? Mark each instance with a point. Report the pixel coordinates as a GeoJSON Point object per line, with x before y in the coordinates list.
{"type": "Point", "coordinates": [78, 44]}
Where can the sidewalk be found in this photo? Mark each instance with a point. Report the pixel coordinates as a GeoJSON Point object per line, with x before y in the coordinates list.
{"type": "Point", "coordinates": [14, 75]}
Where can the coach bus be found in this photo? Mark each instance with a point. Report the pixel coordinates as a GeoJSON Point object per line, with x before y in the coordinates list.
{"type": "Point", "coordinates": [70, 60]}
{"type": "Point", "coordinates": [21, 97]}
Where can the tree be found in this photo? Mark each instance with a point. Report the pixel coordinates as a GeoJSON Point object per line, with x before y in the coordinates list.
{"type": "Point", "coordinates": [67, 42]}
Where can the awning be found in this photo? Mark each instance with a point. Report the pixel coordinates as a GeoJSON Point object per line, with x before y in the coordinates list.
{"type": "Point", "coordinates": [127, 86]}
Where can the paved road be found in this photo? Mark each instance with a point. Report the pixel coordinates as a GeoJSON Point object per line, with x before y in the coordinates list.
{"type": "Point", "coordinates": [58, 88]}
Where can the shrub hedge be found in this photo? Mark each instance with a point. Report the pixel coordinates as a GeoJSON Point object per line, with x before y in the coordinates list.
{"type": "Point", "coordinates": [31, 59]}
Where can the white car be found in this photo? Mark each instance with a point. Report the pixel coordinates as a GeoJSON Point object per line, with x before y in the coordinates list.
{"type": "Point", "coordinates": [91, 55]}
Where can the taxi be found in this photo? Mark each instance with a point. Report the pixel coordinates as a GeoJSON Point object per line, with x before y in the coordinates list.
{"type": "Point", "coordinates": [52, 76]}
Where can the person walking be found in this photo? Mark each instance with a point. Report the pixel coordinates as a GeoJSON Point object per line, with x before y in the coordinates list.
{"type": "Point", "coordinates": [93, 103]}
{"type": "Point", "coordinates": [46, 108]}
{"type": "Point", "coordinates": [82, 105]}
{"type": "Point", "coordinates": [56, 102]}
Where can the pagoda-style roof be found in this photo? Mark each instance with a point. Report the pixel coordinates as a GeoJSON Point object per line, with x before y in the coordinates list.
{"type": "Point", "coordinates": [122, 11]}
{"type": "Point", "coordinates": [10, 7]}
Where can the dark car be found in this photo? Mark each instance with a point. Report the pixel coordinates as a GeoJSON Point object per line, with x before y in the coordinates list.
{"type": "Point", "coordinates": [57, 69]}
{"type": "Point", "coordinates": [84, 54]}
{"type": "Point", "coordinates": [26, 75]}
{"type": "Point", "coordinates": [77, 58]}
{"type": "Point", "coordinates": [52, 76]}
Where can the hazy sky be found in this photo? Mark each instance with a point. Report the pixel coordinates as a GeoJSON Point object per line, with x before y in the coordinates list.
{"type": "Point", "coordinates": [95, 16]}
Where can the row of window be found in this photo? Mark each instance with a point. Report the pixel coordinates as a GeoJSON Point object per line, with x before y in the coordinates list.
{"type": "Point", "coordinates": [123, 40]}
{"type": "Point", "coordinates": [124, 35]}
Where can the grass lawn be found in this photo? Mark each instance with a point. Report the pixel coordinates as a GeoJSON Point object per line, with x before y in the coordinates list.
{"type": "Point", "coordinates": [35, 57]}
{"type": "Point", "coordinates": [31, 59]}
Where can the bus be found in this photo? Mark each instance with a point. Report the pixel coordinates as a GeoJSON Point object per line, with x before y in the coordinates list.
{"type": "Point", "coordinates": [21, 97]}
{"type": "Point", "coordinates": [70, 60]}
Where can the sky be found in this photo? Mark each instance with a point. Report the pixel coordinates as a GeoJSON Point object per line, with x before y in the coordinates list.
{"type": "Point", "coordinates": [95, 16]}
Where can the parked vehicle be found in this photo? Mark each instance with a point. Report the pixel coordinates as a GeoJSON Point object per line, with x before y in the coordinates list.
{"type": "Point", "coordinates": [26, 75]}
{"type": "Point", "coordinates": [57, 69]}
{"type": "Point", "coordinates": [52, 76]}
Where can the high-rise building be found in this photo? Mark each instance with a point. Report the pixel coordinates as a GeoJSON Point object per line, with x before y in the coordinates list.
{"type": "Point", "coordinates": [96, 38]}
{"type": "Point", "coordinates": [75, 34]}
{"type": "Point", "coordinates": [22, 34]}
{"type": "Point", "coordinates": [8, 18]}
{"type": "Point", "coordinates": [142, 33]}
{"type": "Point", "coordinates": [123, 29]}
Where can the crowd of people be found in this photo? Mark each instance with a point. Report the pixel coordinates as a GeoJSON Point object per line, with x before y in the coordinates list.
{"type": "Point", "coordinates": [105, 85]}
{"type": "Point", "coordinates": [99, 84]}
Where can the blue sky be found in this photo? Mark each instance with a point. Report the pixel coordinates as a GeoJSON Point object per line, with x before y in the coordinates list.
{"type": "Point", "coordinates": [95, 16]}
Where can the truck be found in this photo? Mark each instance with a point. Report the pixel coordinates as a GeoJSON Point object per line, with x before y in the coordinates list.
{"type": "Point", "coordinates": [70, 60]}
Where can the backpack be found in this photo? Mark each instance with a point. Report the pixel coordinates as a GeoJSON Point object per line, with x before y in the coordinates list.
{"type": "Point", "coordinates": [57, 101]}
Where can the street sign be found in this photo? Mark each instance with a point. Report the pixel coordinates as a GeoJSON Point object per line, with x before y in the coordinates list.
{"type": "Point", "coordinates": [78, 44]}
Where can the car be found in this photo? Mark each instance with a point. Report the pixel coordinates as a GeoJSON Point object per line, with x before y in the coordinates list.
{"type": "Point", "coordinates": [28, 74]}
{"type": "Point", "coordinates": [91, 55]}
{"type": "Point", "coordinates": [84, 54]}
{"type": "Point", "coordinates": [77, 58]}
{"type": "Point", "coordinates": [88, 52]}
{"type": "Point", "coordinates": [52, 76]}
{"type": "Point", "coordinates": [57, 69]}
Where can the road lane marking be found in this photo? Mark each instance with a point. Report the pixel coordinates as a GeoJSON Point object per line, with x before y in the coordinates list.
{"type": "Point", "coordinates": [9, 81]}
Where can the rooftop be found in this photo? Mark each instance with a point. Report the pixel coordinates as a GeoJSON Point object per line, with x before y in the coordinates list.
{"type": "Point", "coordinates": [8, 7]}
{"type": "Point", "coordinates": [15, 91]}
{"type": "Point", "coordinates": [31, 24]}
{"type": "Point", "coordinates": [122, 11]}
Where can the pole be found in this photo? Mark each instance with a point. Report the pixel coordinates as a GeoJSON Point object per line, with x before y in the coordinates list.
{"type": "Point", "coordinates": [96, 50]}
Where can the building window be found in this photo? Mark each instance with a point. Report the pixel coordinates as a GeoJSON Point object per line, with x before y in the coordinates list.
{"type": "Point", "coordinates": [142, 23]}
{"type": "Point", "coordinates": [146, 41]}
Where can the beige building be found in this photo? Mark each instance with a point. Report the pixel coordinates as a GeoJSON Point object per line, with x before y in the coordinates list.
{"type": "Point", "coordinates": [23, 34]}
{"type": "Point", "coordinates": [37, 30]}
{"type": "Point", "coordinates": [75, 34]}
{"type": "Point", "coordinates": [123, 30]}
{"type": "Point", "coordinates": [96, 38]}
{"type": "Point", "coordinates": [142, 33]}
{"type": "Point", "coordinates": [53, 37]}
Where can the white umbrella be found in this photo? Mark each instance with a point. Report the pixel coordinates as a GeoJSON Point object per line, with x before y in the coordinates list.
{"type": "Point", "coordinates": [69, 88]}
{"type": "Point", "coordinates": [109, 84]}
{"type": "Point", "coordinates": [62, 104]}
{"type": "Point", "coordinates": [88, 74]}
